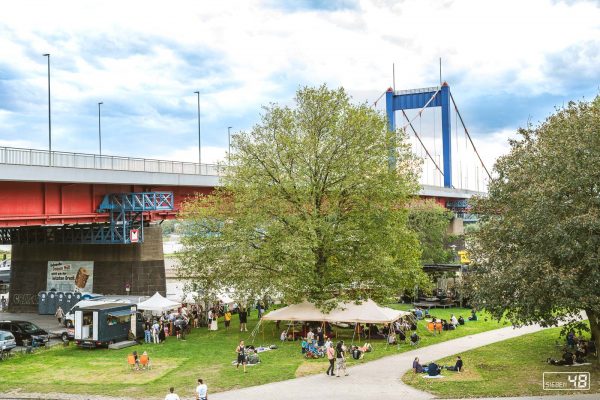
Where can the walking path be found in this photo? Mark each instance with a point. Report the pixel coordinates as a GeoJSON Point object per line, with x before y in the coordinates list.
{"type": "Point", "coordinates": [379, 379]}
{"type": "Point", "coordinates": [373, 380]}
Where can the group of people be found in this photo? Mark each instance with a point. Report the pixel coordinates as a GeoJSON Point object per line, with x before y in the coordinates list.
{"type": "Point", "coordinates": [200, 392]}
{"type": "Point", "coordinates": [246, 355]}
{"type": "Point", "coordinates": [575, 351]}
{"type": "Point", "coordinates": [433, 369]}
{"type": "Point", "coordinates": [168, 323]}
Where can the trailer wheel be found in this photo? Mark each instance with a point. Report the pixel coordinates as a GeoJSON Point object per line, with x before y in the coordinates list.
{"type": "Point", "coordinates": [64, 337]}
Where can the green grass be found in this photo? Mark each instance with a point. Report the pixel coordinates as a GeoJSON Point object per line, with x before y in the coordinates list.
{"type": "Point", "coordinates": [204, 354]}
{"type": "Point", "coordinates": [513, 367]}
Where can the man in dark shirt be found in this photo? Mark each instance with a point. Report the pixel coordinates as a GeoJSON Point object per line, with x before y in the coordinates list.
{"type": "Point", "coordinates": [458, 366]}
{"type": "Point", "coordinates": [433, 369]}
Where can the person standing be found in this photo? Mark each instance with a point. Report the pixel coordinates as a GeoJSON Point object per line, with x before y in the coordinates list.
{"type": "Point", "coordinates": [155, 331]}
{"type": "Point", "coordinates": [210, 318]}
{"type": "Point", "coordinates": [201, 390]}
{"type": "Point", "coordinates": [227, 319]}
{"type": "Point", "coordinates": [59, 314]}
{"type": "Point", "coordinates": [172, 395]}
{"type": "Point", "coordinates": [331, 358]}
{"type": "Point", "coordinates": [241, 358]}
{"type": "Point", "coordinates": [243, 314]}
{"type": "Point", "coordinates": [340, 355]}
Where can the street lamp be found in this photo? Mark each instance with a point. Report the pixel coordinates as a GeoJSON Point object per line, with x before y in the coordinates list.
{"type": "Point", "coordinates": [49, 118]}
{"type": "Point", "coordinates": [199, 138]}
{"type": "Point", "coordinates": [229, 141]}
{"type": "Point", "coordinates": [99, 129]}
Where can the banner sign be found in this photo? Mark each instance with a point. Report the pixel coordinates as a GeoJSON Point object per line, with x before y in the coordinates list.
{"type": "Point", "coordinates": [70, 276]}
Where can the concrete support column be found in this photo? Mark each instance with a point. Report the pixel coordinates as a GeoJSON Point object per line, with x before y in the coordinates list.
{"type": "Point", "coordinates": [142, 266]}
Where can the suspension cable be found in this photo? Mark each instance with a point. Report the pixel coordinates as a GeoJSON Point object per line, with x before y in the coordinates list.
{"type": "Point", "coordinates": [469, 136]}
{"type": "Point", "coordinates": [422, 144]}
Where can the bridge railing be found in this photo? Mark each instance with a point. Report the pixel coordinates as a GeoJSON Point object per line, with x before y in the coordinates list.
{"type": "Point", "coordinates": [17, 156]}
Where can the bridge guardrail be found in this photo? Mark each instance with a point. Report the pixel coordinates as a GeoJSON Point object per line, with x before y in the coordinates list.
{"type": "Point", "coordinates": [33, 157]}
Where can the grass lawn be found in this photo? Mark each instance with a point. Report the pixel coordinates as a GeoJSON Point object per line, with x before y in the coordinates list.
{"type": "Point", "coordinates": [513, 367]}
{"type": "Point", "coordinates": [204, 354]}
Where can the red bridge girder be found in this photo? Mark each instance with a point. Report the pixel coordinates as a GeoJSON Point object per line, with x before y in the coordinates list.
{"type": "Point", "coordinates": [49, 203]}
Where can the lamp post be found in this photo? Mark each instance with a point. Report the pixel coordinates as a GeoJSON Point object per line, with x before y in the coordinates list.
{"type": "Point", "coordinates": [49, 116]}
{"type": "Point", "coordinates": [100, 131]}
{"type": "Point", "coordinates": [199, 137]}
{"type": "Point", "coordinates": [229, 142]}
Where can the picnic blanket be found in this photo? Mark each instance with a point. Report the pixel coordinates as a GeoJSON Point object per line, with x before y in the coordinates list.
{"type": "Point", "coordinates": [579, 365]}
{"type": "Point", "coordinates": [432, 377]}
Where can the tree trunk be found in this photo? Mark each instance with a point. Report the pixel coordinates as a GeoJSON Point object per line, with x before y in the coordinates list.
{"type": "Point", "coordinates": [594, 320]}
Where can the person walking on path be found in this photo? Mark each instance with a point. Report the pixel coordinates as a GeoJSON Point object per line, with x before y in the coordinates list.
{"type": "Point", "coordinates": [201, 390]}
{"type": "Point", "coordinates": [59, 314]}
{"type": "Point", "coordinates": [241, 358]}
{"type": "Point", "coordinates": [331, 358]}
{"type": "Point", "coordinates": [340, 355]}
{"type": "Point", "coordinates": [172, 395]}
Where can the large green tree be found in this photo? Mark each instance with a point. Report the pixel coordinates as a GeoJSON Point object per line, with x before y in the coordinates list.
{"type": "Point", "coordinates": [537, 252]}
{"type": "Point", "coordinates": [430, 222]}
{"type": "Point", "coordinates": [309, 207]}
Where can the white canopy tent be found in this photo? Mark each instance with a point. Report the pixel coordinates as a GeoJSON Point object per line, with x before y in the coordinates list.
{"type": "Point", "coordinates": [158, 303]}
{"type": "Point", "coordinates": [368, 312]}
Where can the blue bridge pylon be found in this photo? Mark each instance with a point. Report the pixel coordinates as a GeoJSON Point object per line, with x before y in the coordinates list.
{"type": "Point", "coordinates": [422, 98]}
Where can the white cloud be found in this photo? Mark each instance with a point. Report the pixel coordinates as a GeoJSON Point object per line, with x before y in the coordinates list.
{"type": "Point", "coordinates": [151, 56]}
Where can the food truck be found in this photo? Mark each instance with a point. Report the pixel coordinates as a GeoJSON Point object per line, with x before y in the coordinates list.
{"type": "Point", "coordinates": [106, 323]}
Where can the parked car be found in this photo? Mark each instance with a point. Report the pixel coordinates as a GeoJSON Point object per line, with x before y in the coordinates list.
{"type": "Point", "coordinates": [25, 330]}
{"type": "Point", "coordinates": [7, 341]}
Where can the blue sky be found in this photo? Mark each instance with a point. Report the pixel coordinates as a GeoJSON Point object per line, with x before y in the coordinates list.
{"type": "Point", "coordinates": [507, 62]}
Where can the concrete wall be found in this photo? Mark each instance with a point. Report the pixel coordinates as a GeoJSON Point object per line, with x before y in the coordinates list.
{"type": "Point", "coordinates": [140, 265]}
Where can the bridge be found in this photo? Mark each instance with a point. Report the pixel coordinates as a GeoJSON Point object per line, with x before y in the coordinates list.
{"type": "Point", "coordinates": [103, 211]}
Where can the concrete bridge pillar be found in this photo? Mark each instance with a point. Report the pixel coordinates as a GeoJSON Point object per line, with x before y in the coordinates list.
{"type": "Point", "coordinates": [141, 266]}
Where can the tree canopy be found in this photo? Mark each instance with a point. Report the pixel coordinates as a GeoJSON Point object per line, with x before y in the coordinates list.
{"type": "Point", "coordinates": [538, 247]}
{"type": "Point", "coordinates": [309, 207]}
{"type": "Point", "coordinates": [430, 222]}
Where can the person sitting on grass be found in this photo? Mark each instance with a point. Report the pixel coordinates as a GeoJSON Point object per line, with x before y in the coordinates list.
{"type": "Point", "coordinates": [414, 338]}
{"type": "Point", "coordinates": [458, 366]}
{"type": "Point", "coordinates": [461, 320]}
{"type": "Point", "coordinates": [567, 359]}
{"type": "Point", "coordinates": [253, 358]}
{"type": "Point", "coordinates": [453, 320]}
{"type": "Point", "coordinates": [136, 358]}
{"type": "Point", "coordinates": [366, 348]}
{"type": "Point", "coordinates": [357, 354]}
{"type": "Point", "coordinates": [473, 316]}
{"type": "Point", "coordinates": [417, 367]}
{"type": "Point", "coordinates": [419, 313]}
{"type": "Point", "coordinates": [304, 345]}
{"type": "Point", "coordinates": [433, 369]}
{"type": "Point", "coordinates": [391, 338]}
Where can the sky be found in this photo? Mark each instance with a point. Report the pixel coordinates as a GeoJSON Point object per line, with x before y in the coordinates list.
{"type": "Point", "coordinates": [508, 63]}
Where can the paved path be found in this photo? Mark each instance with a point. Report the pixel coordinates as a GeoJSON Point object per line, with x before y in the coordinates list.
{"type": "Point", "coordinates": [379, 379]}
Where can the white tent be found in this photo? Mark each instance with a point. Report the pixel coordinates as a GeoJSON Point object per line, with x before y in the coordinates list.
{"type": "Point", "coordinates": [366, 312]}
{"type": "Point", "coordinates": [158, 303]}
{"type": "Point", "coordinates": [296, 312]}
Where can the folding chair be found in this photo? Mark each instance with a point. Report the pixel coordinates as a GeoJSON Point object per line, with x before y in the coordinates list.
{"type": "Point", "coordinates": [131, 362]}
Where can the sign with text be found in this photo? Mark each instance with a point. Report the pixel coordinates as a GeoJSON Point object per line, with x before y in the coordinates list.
{"type": "Point", "coordinates": [70, 276]}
